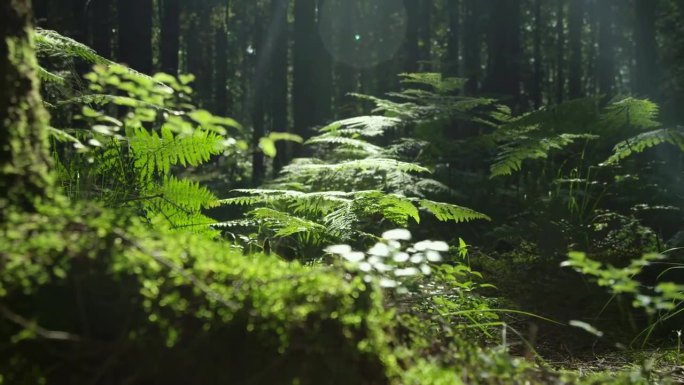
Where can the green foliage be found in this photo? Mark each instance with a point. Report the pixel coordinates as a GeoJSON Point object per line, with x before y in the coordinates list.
{"type": "Point", "coordinates": [537, 134]}
{"type": "Point", "coordinates": [646, 140]}
{"type": "Point", "coordinates": [129, 158]}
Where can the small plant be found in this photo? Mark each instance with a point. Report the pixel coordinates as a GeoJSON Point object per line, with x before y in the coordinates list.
{"type": "Point", "coordinates": [389, 263]}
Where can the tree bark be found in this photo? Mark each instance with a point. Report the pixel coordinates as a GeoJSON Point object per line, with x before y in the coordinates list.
{"type": "Point", "coordinates": [452, 64]}
{"type": "Point", "coordinates": [411, 50]}
{"type": "Point", "coordinates": [606, 54]}
{"type": "Point", "coordinates": [472, 45]}
{"type": "Point", "coordinates": [135, 34]}
{"type": "Point", "coordinates": [646, 55]}
{"type": "Point", "coordinates": [101, 25]}
{"type": "Point", "coordinates": [304, 65]}
{"type": "Point", "coordinates": [537, 82]}
{"type": "Point", "coordinates": [24, 156]}
{"type": "Point", "coordinates": [575, 22]}
{"type": "Point", "coordinates": [560, 51]}
{"type": "Point", "coordinates": [279, 83]}
{"type": "Point", "coordinates": [170, 36]}
{"type": "Point", "coordinates": [503, 69]}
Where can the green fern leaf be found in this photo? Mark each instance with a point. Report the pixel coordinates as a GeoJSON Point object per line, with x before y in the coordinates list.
{"type": "Point", "coordinates": [646, 140]}
{"type": "Point", "coordinates": [448, 212]}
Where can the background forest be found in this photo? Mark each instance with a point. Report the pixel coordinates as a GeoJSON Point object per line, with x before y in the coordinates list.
{"type": "Point", "coordinates": [342, 192]}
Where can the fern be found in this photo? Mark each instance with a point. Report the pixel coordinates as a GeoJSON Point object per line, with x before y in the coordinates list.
{"type": "Point", "coordinates": [646, 140]}
{"type": "Point", "coordinates": [366, 126]}
{"type": "Point", "coordinates": [511, 157]}
{"type": "Point", "coordinates": [155, 154]}
{"type": "Point", "coordinates": [449, 212]}
{"type": "Point", "coordinates": [378, 164]}
{"type": "Point", "coordinates": [630, 112]}
{"type": "Point", "coordinates": [52, 44]}
{"type": "Point", "coordinates": [284, 223]}
{"type": "Point", "coordinates": [329, 139]}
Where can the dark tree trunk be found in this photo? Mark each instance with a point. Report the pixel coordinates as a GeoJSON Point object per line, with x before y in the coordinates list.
{"type": "Point", "coordinates": [304, 65]}
{"type": "Point", "coordinates": [222, 63]}
{"type": "Point", "coordinates": [606, 54]}
{"type": "Point", "coordinates": [24, 157]}
{"type": "Point", "coordinates": [575, 22]}
{"type": "Point", "coordinates": [135, 34]}
{"type": "Point", "coordinates": [472, 45]}
{"type": "Point", "coordinates": [503, 69]}
{"type": "Point", "coordinates": [411, 49]}
{"type": "Point", "coordinates": [452, 63]}
{"type": "Point", "coordinates": [537, 84]}
{"type": "Point", "coordinates": [256, 104]}
{"type": "Point", "coordinates": [170, 36]}
{"type": "Point", "coordinates": [323, 78]}
{"type": "Point", "coordinates": [646, 74]}
{"type": "Point", "coordinates": [424, 35]}
{"type": "Point", "coordinates": [560, 51]}
{"type": "Point", "coordinates": [279, 84]}
{"type": "Point", "coordinates": [102, 22]}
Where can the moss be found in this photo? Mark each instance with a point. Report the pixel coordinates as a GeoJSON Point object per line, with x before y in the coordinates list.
{"type": "Point", "coordinates": [170, 307]}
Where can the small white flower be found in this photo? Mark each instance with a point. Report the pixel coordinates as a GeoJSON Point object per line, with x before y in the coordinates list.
{"type": "Point", "coordinates": [94, 143]}
{"type": "Point", "coordinates": [433, 256]}
{"type": "Point", "coordinates": [418, 258]}
{"type": "Point", "coordinates": [338, 249]}
{"type": "Point", "coordinates": [401, 257]}
{"type": "Point", "coordinates": [387, 283]}
{"type": "Point", "coordinates": [381, 267]}
{"type": "Point", "coordinates": [431, 245]}
{"type": "Point", "coordinates": [425, 269]}
{"type": "Point", "coordinates": [397, 235]}
{"type": "Point", "coordinates": [354, 256]}
{"type": "Point", "coordinates": [380, 249]}
{"type": "Point", "coordinates": [408, 272]}
{"type": "Point", "coordinates": [365, 267]}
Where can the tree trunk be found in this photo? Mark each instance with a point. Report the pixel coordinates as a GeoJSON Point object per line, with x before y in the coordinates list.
{"type": "Point", "coordinates": [411, 50]}
{"type": "Point", "coordinates": [24, 157]}
{"type": "Point", "coordinates": [472, 45]}
{"type": "Point", "coordinates": [323, 78]}
{"type": "Point", "coordinates": [560, 51]}
{"type": "Point", "coordinates": [135, 34]}
{"type": "Point", "coordinates": [424, 35]}
{"type": "Point", "coordinates": [575, 22]}
{"type": "Point", "coordinates": [452, 64]}
{"type": "Point", "coordinates": [537, 83]}
{"type": "Point", "coordinates": [606, 54]}
{"type": "Point", "coordinates": [222, 63]}
{"type": "Point", "coordinates": [170, 36]}
{"type": "Point", "coordinates": [279, 70]}
{"type": "Point", "coordinates": [646, 55]}
{"type": "Point", "coordinates": [101, 24]}
{"type": "Point", "coordinates": [304, 65]}
{"type": "Point", "coordinates": [503, 69]}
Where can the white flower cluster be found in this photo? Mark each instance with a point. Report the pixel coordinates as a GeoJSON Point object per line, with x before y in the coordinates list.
{"type": "Point", "coordinates": [391, 262]}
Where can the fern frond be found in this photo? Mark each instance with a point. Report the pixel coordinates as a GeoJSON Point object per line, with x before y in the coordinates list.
{"type": "Point", "coordinates": [156, 154]}
{"type": "Point", "coordinates": [285, 224]}
{"type": "Point", "coordinates": [646, 140]}
{"type": "Point", "coordinates": [53, 44]}
{"type": "Point", "coordinates": [435, 80]}
{"type": "Point", "coordinates": [527, 148]}
{"type": "Point", "coordinates": [328, 139]}
{"type": "Point", "coordinates": [394, 208]}
{"type": "Point", "coordinates": [187, 194]}
{"type": "Point", "coordinates": [448, 212]}
{"type": "Point", "coordinates": [49, 77]}
{"type": "Point", "coordinates": [381, 164]}
{"type": "Point", "coordinates": [630, 112]}
{"type": "Point", "coordinates": [367, 126]}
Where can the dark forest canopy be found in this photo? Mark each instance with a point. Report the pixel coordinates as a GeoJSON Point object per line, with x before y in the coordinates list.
{"type": "Point", "coordinates": [400, 192]}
